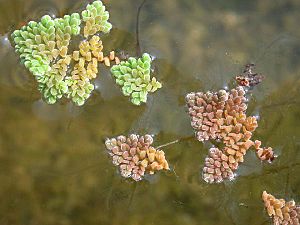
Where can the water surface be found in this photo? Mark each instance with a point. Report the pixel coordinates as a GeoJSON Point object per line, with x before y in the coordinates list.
{"type": "Point", "coordinates": [53, 166]}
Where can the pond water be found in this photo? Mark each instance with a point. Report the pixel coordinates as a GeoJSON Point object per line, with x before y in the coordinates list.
{"type": "Point", "coordinates": [54, 166]}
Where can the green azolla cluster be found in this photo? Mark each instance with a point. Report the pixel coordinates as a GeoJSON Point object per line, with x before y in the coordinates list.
{"type": "Point", "coordinates": [68, 25]}
{"type": "Point", "coordinates": [79, 91]}
{"type": "Point", "coordinates": [42, 43]}
{"type": "Point", "coordinates": [43, 48]}
{"type": "Point", "coordinates": [34, 43]}
{"type": "Point", "coordinates": [96, 19]}
{"type": "Point", "coordinates": [65, 28]}
{"type": "Point", "coordinates": [134, 77]}
{"type": "Point", "coordinates": [37, 43]}
{"type": "Point", "coordinates": [52, 86]}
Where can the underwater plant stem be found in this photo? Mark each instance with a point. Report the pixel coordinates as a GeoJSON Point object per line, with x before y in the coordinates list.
{"type": "Point", "coordinates": [31, 93]}
{"type": "Point", "coordinates": [291, 159]}
{"type": "Point", "coordinates": [226, 209]}
{"type": "Point", "coordinates": [71, 119]}
{"type": "Point", "coordinates": [137, 29]}
{"type": "Point", "coordinates": [132, 195]}
{"type": "Point", "coordinates": [109, 195]}
{"type": "Point", "coordinates": [269, 46]}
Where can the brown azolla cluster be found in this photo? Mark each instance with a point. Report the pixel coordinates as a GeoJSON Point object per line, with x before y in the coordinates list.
{"type": "Point", "coordinates": [222, 116]}
{"type": "Point", "coordinates": [283, 213]}
{"type": "Point", "coordinates": [135, 156]}
{"type": "Point", "coordinates": [263, 153]}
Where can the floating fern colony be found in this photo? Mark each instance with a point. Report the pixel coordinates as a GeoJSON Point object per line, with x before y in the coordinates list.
{"type": "Point", "coordinates": [134, 77]}
{"type": "Point", "coordinates": [43, 48]}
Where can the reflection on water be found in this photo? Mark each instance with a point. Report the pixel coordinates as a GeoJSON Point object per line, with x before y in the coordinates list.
{"type": "Point", "coordinates": [54, 168]}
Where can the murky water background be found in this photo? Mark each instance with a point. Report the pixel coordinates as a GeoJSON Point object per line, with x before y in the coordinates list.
{"type": "Point", "coordinates": [53, 166]}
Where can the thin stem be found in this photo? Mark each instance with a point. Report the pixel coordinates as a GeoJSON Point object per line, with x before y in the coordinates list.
{"type": "Point", "coordinates": [283, 103]}
{"type": "Point", "coordinates": [71, 119]}
{"type": "Point", "coordinates": [269, 46]}
{"type": "Point", "coordinates": [31, 93]}
{"type": "Point", "coordinates": [174, 142]}
{"type": "Point", "coordinates": [137, 29]}
{"type": "Point", "coordinates": [167, 144]}
{"type": "Point", "coordinates": [109, 196]}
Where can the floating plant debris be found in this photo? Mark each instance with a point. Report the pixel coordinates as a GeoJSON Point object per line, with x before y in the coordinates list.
{"type": "Point", "coordinates": [135, 156]}
{"type": "Point", "coordinates": [43, 47]}
{"type": "Point", "coordinates": [134, 77]}
{"type": "Point", "coordinates": [222, 116]}
{"type": "Point", "coordinates": [248, 78]}
{"type": "Point", "coordinates": [283, 213]}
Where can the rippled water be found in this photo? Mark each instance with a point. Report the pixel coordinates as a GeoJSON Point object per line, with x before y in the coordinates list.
{"type": "Point", "coordinates": [54, 168]}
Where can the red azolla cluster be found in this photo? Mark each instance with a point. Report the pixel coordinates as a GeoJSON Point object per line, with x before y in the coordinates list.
{"type": "Point", "coordinates": [222, 116]}
{"type": "Point", "coordinates": [135, 156]}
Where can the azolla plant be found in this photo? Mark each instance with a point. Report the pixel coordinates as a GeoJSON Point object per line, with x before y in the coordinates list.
{"type": "Point", "coordinates": [134, 78]}
{"type": "Point", "coordinates": [282, 212]}
{"type": "Point", "coordinates": [135, 156]}
{"type": "Point", "coordinates": [44, 50]}
{"type": "Point", "coordinates": [221, 116]}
